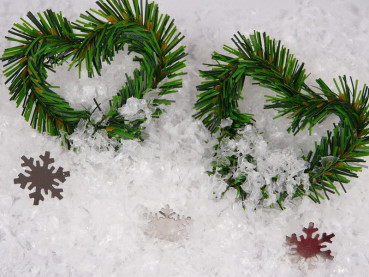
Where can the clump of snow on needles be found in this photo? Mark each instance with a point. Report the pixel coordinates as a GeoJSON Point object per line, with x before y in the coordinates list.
{"type": "Point", "coordinates": [140, 108]}
{"type": "Point", "coordinates": [86, 135]}
{"type": "Point", "coordinates": [275, 169]}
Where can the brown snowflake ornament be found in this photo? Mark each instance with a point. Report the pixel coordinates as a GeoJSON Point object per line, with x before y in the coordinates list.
{"type": "Point", "coordinates": [310, 246]}
{"type": "Point", "coordinates": [41, 178]}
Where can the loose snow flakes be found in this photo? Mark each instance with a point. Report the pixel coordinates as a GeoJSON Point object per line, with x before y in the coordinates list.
{"type": "Point", "coordinates": [310, 247]}
{"type": "Point", "coordinates": [41, 178]}
{"type": "Point", "coordinates": [167, 225]}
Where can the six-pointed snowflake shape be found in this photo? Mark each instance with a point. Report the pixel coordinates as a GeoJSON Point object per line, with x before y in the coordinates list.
{"type": "Point", "coordinates": [167, 226]}
{"type": "Point", "coordinates": [311, 246]}
{"type": "Point", "coordinates": [41, 178]}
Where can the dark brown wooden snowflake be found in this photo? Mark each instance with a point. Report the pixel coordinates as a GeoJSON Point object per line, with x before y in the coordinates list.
{"type": "Point", "coordinates": [41, 178]}
{"type": "Point", "coordinates": [310, 246]}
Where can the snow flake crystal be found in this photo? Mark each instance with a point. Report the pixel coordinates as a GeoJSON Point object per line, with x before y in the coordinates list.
{"type": "Point", "coordinates": [41, 178]}
{"type": "Point", "coordinates": [166, 226]}
{"type": "Point", "coordinates": [310, 247]}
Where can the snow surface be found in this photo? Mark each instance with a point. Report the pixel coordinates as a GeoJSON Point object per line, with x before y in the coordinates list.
{"type": "Point", "coordinates": [98, 228]}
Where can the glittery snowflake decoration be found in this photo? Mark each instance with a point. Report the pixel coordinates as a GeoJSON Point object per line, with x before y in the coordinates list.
{"type": "Point", "coordinates": [167, 225]}
{"type": "Point", "coordinates": [310, 246]}
{"type": "Point", "coordinates": [41, 178]}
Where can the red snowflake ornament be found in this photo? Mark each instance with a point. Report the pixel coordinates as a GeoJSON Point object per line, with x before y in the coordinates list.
{"type": "Point", "coordinates": [310, 246]}
{"type": "Point", "coordinates": [41, 178]}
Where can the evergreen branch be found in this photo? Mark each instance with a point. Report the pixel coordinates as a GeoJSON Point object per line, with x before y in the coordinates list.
{"type": "Point", "coordinates": [339, 155]}
{"type": "Point", "coordinates": [267, 62]}
{"type": "Point", "coordinates": [336, 158]}
{"type": "Point", "coordinates": [51, 40]}
{"type": "Point", "coordinates": [146, 32]}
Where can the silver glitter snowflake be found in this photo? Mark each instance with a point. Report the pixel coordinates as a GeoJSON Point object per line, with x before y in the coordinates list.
{"type": "Point", "coordinates": [41, 178]}
{"type": "Point", "coordinates": [167, 225]}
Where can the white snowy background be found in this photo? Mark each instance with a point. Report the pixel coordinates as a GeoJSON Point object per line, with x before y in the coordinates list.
{"type": "Point", "coordinates": [98, 228]}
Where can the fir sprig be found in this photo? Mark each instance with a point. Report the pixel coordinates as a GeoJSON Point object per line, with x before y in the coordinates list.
{"type": "Point", "coordinates": [46, 43]}
{"type": "Point", "coordinates": [271, 65]}
{"type": "Point", "coordinates": [51, 40]}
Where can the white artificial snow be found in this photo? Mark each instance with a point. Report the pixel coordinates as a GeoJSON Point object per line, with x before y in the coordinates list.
{"type": "Point", "coordinates": [226, 122]}
{"type": "Point", "coordinates": [86, 136]}
{"type": "Point", "coordinates": [135, 109]}
{"type": "Point", "coordinates": [283, 164]}
{"type": "Point", "coordinates": [98, 228]}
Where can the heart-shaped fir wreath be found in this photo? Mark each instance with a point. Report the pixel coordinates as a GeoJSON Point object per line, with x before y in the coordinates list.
{"type": "Point", "coordinates": [51, 40]}
{"type": "Point", "coordinates": [338, 156]}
